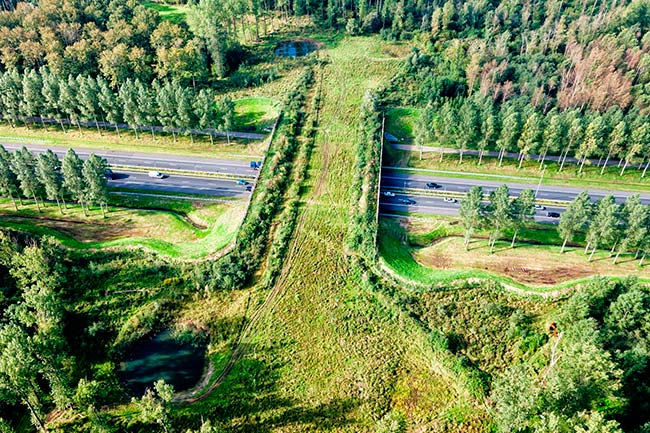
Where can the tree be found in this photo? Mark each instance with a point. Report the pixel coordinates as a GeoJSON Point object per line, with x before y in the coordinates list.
{"type": "Point", "coordinates": [616, 142]}
{"type": "Point", "coordinates": [489, 129]}
{"type": "Point", "coordinates": [73, 179]}
{"type": "Point", "coordinates": [52, 96]}
{"type": "Point", "coordinates": [636, 228]}
{"type": "Point", "coordinates": [594, 136]}
{"type": "Point", "coordinates": [130, 110]}
{"type": "Point", "coordinates": [49, 173]}
{"type": "Point", "coordinates": [69, 101]}
{"type": "Point", "coordinates": [184, 118]}
{"type": "Point", "coordinates": [602, 229]}
{"type": "Point", "coordinates": [109, 103]}
{"type": "Point", "coordinates": [639, 139]}
{"type": "Point", "coordinates": [23, 164]}
{"type": "Point", "coordinates": [499, 213]}
{"type": "Point", "coordinates": [166, 101]}
{"type": "Point", "coordinates": [146, 114]}
{"type": "Point", "coordinates": [471, 212]}
{"type": "Point", "coordinates": [154, 405]}
{"type": "Point", "coordinates": [529, 140]}
{"type": "Point", "coordinates": [423, 125]}
{"type": "Point", "coordinates": [94, 175]}
{"type": "Point", "coordinates": [469, 127]}
{"type": "Point", "coordinates": [523, 212]}
{"type": "Point", "coordinates": [205, 111]}
{"type": "Point", "coordinates": [509, 130]}
{"type": "Point", "coordinates": [32, 104]}
{"type": "Point", "coordinates": [575, 135]}
{"type": "Point", "coordinates": [205, 20]}
{"type": "Point", "coordinates": [553, 136]}
{"type": "Point", "coordinates": [574, 218]}
{"type": "Point", "coordinates": [227, 108]}
{"type": "Point", "coordinates": [11, 87]}
{"type": "Point", "coordinates": [88, 96]}
{"type": "Point", "coordinates": [8, 179]}
{"type": "Point", "coordinates": [18, 369]}
{"type": "Point", "coordinates": [445, 125]}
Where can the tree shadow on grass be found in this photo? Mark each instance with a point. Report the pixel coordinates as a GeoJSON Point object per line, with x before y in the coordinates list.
{"type": "Point", "coordinates": [250, 400]}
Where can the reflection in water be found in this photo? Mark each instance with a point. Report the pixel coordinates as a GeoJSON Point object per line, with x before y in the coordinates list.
{"type": "Point", "coordinates": [295, 48]}
{"type": "Point", "coordinates": [161, 357]}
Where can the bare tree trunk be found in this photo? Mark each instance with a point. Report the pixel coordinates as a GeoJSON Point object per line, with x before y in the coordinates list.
{"type": "Point", "coordinates": [117, 129]}
{"type": "Point", "coordinates": [514, 237]}
{"type": "Point", "coordinates": [58, 204]}
{"type": "Point", "coordinates": [566, 152]}
{"type": "Point", "coordinates": [480, 157]}
{"type": "Point", "coordinates": [83, 208]}
{"type": "Point", "coordinates": [228, 137]}
{"type": "Point", "coordinates": [642, 259]}
{"type": "Point", "coordinates": [582, 164]}
{"type": "Point", "coordinates": [442, 152]}
{"type": "Point", "coordinates": [602, 170]}
{"type": "Point", "coordinates": [501, 156]}
{"type": "Point", "coordinates": [211, 139]}
{"type": "Point", "coordinates": [587, 247]}
{"type": "Point", "coordinates": [624, 167]}
{"type": "Point", "coordinates": [611, 252]}
{"type": "Point", "coordinates": [645, 169]}
{"type": "Point", "coordinates": [65, 205]}
{"type": "Point", "coordinates": [616, 258]}
{"type": "Point", "coordinates": [153, 136]}
{"type": "Point", "coordinates": [36, 201]}
{"type": "Point", "coordinates": [460, 161]}
{"type": "Point", "coordinates": [97, 125]}
{"type": "Point", "coordinates": [564, 245]}
{"type": "Point", "coordinates": [592, 253]}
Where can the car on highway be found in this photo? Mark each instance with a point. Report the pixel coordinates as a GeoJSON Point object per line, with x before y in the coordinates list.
{"type": "Point", "coordinates": [407, 201]}
{"type": "Point", "coordinates": [249, 187]}
{"type": "Point", "coordinates": [553, 214]}
{"type": "Point", "coordinates": [109, 174]}
{"type": "Point", "coordinates": [242, 182]}
{"type": "Point", "coordinates": [450, 200]}
{"type": "Point", "coordinates": [155, 174]}
{"type": "Point", "coordinates": [433, 185]}
{"type": "Point", "coordinates": [540, 207]}
{"type": "Point", "coordinates": [388, 194]}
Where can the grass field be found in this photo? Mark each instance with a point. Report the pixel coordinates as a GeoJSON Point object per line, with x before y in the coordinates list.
{"type": "Point", "coordinates": [175, 228]}
{"type": "Point", "coordinates": [174, 13]}
{"type": "Point", "coordinates": [255, 113]}
{"type": "Point", "coordinates": [400, 122]}
{"type": "Point", "coordinates": [126, 141]}
{"type": "Point", "coordinates": [431, 252]}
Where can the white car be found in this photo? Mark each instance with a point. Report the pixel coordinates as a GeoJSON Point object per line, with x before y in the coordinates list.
{"type": "Point", "coordinates": [388, 194]}
{"type": "Point", "coordinates": [155, 174]}
{"type": "Point", "coordinates": [450, 200]}
{"type": "Point", "coordinates": [540, 207]}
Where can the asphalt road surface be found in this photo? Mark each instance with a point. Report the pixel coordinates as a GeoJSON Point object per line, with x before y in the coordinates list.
{"type": "Point", "coordinates": [158, 161]}
{"type": "Point", "coordinates": [425, 204]}
{"type": "Point", "coordinates": [437, 206]}
{"type": "Point", "coordinates": [180, 184]}
{"type": "Point", "coordinates": [394, 180]}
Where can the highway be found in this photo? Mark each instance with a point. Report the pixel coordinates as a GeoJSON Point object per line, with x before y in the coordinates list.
{"type": "Point", "coordinates": [396, 182]}
{"type": "Point", "coordinates": [160, 162]}
{"type": "Point", "coordinates": [180, 184]}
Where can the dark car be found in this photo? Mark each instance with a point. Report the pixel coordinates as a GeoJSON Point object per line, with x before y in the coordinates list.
{"type": "Point", "coordinates": [433, 185]}
{"type": "Point", "coordinates": [249, 187]}
{"type": "Point", "coordinates": [109, 174]}
{"type": "Point", "coordinates": [407, 201]}
{"type": "Point", "coordinates": [553, 214]}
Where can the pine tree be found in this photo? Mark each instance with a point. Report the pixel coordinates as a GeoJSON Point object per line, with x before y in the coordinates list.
{"type": "Point", "coordinates": [48, 170]}
{"type": "Point", "coordinates": [73, 179]}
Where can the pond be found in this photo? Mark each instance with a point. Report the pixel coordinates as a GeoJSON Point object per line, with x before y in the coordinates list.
{"type": "Point", "coordinates": [295, 48]}
{"type": "Point", "coordinates": [162, 357]}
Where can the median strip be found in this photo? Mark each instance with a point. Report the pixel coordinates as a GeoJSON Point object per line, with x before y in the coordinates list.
{"type": "Point", "coordinates": [189, 173]}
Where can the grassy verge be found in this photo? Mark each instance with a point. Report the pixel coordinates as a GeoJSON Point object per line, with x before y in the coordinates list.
{"type": "Point", "coordinates": [400, 122]}
{"type": "Point", "coordinates": [126, 141]}
{"type": "Point", "coordinates": [431, 252]}
{"type": "Point", "coordinates": [255, 114]}
{"type": "Point", "coordinates": [175, 228]}
{"type": "Point", "coordinates": [590, 178]}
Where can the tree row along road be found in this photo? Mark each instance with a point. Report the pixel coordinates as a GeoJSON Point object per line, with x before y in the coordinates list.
{"type": "Point", "coordinates": [424, 203]}
{"type": "Point", "coordinates": [148, 160]}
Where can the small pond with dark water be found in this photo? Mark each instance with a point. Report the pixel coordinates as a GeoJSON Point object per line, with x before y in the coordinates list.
{"type": "Point", "coordinates": [295, 48]}
{"type": "Point", "coordinates": [161, 357]}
